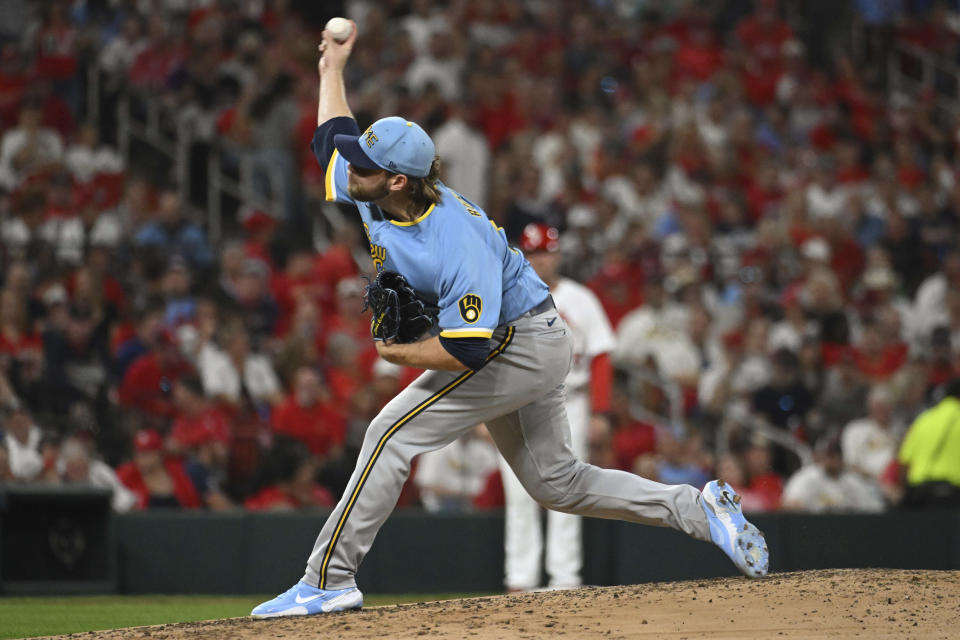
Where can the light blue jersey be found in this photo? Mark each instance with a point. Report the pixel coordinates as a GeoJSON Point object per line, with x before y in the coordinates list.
{"type": "Point", "coordinates": [453, 255]}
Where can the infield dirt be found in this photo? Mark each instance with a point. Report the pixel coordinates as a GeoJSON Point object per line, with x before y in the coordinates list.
{"type": "Point", "coordinates": [876, 603]}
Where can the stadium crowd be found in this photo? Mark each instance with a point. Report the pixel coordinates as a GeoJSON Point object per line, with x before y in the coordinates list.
{"type": "Point", "coordinates": [772, 231]}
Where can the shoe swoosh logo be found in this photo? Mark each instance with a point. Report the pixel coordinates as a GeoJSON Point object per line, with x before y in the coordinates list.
{"type": "Point", "coordinates": [551, 321]}
{"type": "Point", "coordinates": [303, 600]}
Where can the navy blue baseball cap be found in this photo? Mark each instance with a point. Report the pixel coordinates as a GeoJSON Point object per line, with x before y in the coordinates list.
{"type": "Point", "coordinates": [394, 144]}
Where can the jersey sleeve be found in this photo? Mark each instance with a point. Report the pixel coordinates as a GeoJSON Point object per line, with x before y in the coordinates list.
{"type": "Point", "coordinates": [335, 166]}
{"type": "Point", "coordinates": [470, 294]}
{"type": "Point", "coordinates": [335, 180]}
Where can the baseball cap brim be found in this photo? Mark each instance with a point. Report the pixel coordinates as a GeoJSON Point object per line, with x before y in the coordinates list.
{"type": "Point", "coordinates": [349, 147]}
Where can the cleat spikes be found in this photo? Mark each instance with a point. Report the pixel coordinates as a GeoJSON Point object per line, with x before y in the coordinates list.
{"type": "Point", "coordinates": [742, 542]}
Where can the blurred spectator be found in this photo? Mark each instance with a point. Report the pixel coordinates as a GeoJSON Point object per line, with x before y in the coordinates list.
{"type": "Point", "coordinates": [302, 344]}
{"type": "Point", "coordinates": [657, 330]}
{"type": "Point", "coordinates": [441, 65]}
{"type": "Point", "coordinates": [56, 46]}
{"type": "Point", "coordinates": [158, 59]}
{"type": "Point", "coordinates": [259, 229]}
{"type": "Point", "coordinates": [235, 375]}
{"type": "Point", "coordinates": [307, 415]}
{"type": "Point", "coordinates": [293, 485]}
{"type": "Point", "coordinates": [843, 396]}
{"type": "Point", "coordinates": [232, 257]}
{"type": "Point", "coordinates": [144, 338]}
{"type": "Point", "coordinates": [148, 383]}
{"type": "Point", "coordinates": [763, 483]}
{"type": "Point", "coordinates": [22, 441]}
{"type": "Point", "coordinates": [78, 364]}
{"type": "Point", "coordinates": [86, 157]}
{"type": "Point", "coordinates": [826, 486]}
{"type": "Point", "coordinates": [876, 358]}
{"type": "Point", "coordinates": [135, 206]}
{"type": "Point", "coordinates": [344, 371]}
{"type": "Point", "coordinates": [784, 400]}
{"type": "Point", "coordinates": [251, 300]}
{"type": "Point", "coordinates": [119, 54]}
{"type": "Point", "coordinates": [464, 154]}
{"type": "Point", "coordinates": [170, 233]}
{"type": "Point", "coordinates": [202, 432]}
{"type": "Point", "coordinates": [869, 444]}
{"type": "Point", "coordinates": [157, 479]}
{"type": "Point", "coordinates": [450, 478]}
{"type": "Point", "coordinates": [197, 420]}
{"type": "Point", "coordinates": [930, 454]}
{"type": "Point", "coordinates": [175, 287]}
{"type": "Point", "coordinates": [679, 460]}
{"type": "Point", "coordinates": [731, 376]}
{"type": "Point", "coordinates": [76, 465]}
{"type": "Point", "coordinates": [27, 148]}
{"type": "Point", "coordinates": [930, 301]}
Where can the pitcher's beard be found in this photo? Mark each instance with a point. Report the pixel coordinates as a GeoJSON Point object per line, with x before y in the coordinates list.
{"type": "Point", "coordinates": [360, 194]}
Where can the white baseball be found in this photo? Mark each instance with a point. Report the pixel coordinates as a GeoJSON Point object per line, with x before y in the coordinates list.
{"type": "Point", "coordinates": [339, 28]}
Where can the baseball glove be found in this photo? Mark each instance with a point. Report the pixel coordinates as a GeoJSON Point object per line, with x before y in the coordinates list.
{"type": "Point", "coordinates": [398, 314]}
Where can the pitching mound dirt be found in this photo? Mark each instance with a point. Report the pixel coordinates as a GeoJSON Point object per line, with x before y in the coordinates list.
{"type": "Point", "coordinates": [814, 604]}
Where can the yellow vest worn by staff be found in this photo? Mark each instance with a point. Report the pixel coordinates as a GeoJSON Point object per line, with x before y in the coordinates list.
{"type": "Point", "coordinates": [931, 449]}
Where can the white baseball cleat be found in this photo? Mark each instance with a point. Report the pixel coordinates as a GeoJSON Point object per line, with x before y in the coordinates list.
{"type": "Point", "coordinates": [730, 531]}
{"type": "Point", "coordinates": [303, 600]}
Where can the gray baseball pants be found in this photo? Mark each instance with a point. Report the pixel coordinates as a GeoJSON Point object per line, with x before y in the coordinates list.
{"type": "Point", "coordinates": [519, 395]}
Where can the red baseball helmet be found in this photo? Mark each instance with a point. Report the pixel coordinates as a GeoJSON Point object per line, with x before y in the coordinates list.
{"type": "Point", "coordinates": [538, 236]}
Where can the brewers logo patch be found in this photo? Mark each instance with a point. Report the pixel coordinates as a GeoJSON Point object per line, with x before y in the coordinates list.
{"type": "Point", "coordinates": [471, 306]}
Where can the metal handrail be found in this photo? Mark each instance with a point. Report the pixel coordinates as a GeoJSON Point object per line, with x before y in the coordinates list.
{"type": "Point", "coordinates": [930, 66]}
{"type": "Point", "coordinates": [670, 388]}
{"type": "Point", "coordinates": [775, 435]}
{"type": "Point", "coordinates": [177, 148]}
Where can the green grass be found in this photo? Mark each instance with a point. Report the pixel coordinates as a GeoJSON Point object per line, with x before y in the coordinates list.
{"type": "Point", "coordinates": [47, 616]}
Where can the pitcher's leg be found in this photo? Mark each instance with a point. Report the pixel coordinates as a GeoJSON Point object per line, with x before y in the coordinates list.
{"type": "Point", "coordinates": [405, 428]}
{"type": "Point", "coordinates": [523, 537]}
{"type": "Point", "coordinates": [534, 441]}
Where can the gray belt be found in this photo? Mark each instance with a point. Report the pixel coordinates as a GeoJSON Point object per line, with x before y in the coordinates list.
{"type": "Point", "coordinates": [544, 306]}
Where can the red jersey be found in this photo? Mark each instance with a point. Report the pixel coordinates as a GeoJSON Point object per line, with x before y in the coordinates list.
{"type": "Point", "coordinates": [321, 426]}
{"type": "Point", "coordinates": [146, 386]}
{"type": "Point", "coordinates": [183, 489]}
{"type": "Point", "coordinates": [209, 424]}
{"type": "Point", "coordinates": [275, 497]}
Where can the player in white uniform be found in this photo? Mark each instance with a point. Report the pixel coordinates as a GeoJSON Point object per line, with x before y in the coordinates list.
{"type": "Point", "coordinates": [500, 358]}
{"type": "Point", "coordinates": [588, 398]}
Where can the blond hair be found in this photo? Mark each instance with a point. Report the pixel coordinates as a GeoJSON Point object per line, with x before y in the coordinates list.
{"type": "Point", "coordinates": [425, 191]}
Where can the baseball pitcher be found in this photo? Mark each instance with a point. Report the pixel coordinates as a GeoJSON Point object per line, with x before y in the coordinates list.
{"type": "Point", "coordinates": [499, 355]}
